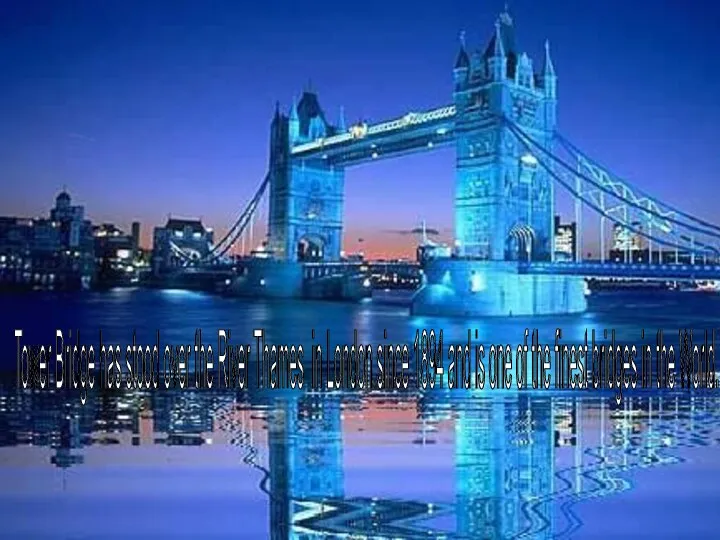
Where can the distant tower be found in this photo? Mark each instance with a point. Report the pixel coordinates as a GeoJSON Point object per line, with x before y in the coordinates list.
{"type": "Point", "coordinates": [62, 201]}
{"type": "Point", "coordinates": [135, 231]}
{"type": "Point", "coordinates": [305, 219]}
{"type": "Point", "coordinates": [504, 200]}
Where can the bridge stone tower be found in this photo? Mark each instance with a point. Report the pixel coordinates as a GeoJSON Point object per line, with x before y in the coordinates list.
{"type": "Point", "coordinates": [306, 195]}
{"type": "Point", "coordinates": [306, 460]}
{"type": "Point", "coordinates": [503, 200]}
{"type": "Point", "coordinates": [505, 460]}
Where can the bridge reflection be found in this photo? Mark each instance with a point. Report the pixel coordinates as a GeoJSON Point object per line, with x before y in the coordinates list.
{"type": "Point", "coordinates": [516, 466]}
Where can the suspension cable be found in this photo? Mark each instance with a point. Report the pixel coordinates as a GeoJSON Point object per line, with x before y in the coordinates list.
{"type": "Point", "coordinates": [223, 246]}
{"type": "Point", "coordinates": [241, 220]}
{"type": "Point", "coordinates": [602, 212]}
{"type": "Point", "coordinates": [570, 147]}
{"type": "Point", "coordinates": [527, 141]}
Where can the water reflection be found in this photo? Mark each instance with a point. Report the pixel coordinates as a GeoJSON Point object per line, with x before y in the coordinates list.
{"type": "Point", "coordinates": [378, 466]}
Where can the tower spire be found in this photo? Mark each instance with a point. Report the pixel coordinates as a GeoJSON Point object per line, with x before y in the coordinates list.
{"type": "Point", "coordinates": [549, 69]}
{"type": "Point", "coordinates": [505, 16]}
{"type": "Point", "coordinates": [293, 110]}
{"type": "Point", "coordinates": [294, 123]}
{"type": "Point", "coordinates": [341, 121]}
{"type": "Point", "coordinates": [497, 60]}
{"type": "Point", "coordinates": [549, 77]}
{"type": "Point", "coordinates": [463, 60]}
{"type": "Point", "coordinates": [499, 50]}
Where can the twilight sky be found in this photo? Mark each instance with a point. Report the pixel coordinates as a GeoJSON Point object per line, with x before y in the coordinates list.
{"type": "Point", "coordinates": [149, 108]}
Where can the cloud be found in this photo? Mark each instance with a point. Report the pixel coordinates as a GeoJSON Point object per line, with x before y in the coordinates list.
{"type": "Point", "coordinates": [80, 136]}
{"type": "Point", "coordinates": [418, 230]}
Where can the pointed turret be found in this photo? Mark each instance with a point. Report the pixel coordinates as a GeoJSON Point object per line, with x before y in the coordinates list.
{"type": "Point", "coordinates": [502, 46]}
{"type": "Point", "coordinates": [462, 62]}
{"type": "Point", "coordinates": [497, 62]}
{"type": "Point", "coordinates": [549, 77]}
{"type": "Point", "coordinates": [505, 16]}
{"type": "Point", "coordinates": [311, 118]}
{"type": "Point", "coordinates": [499, 49]}
{"type": "Point", "coordinates": [277, 112]}
{"type": "Point", "coordinates": [342, 128]}
{"type": "Point", "coordinates": [294, 123]}
{"type": "Point", "coordinates": [549, 69]}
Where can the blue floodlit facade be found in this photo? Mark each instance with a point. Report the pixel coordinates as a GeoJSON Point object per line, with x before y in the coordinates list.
{"type": "Point", "coordinates": [504, 199]}
{"type": "Point", "coordinates": [306, 195]}
{"type": "Point", "coordinates": [505, 462]}
{"type": "Point", "coordinates": [306, 462]}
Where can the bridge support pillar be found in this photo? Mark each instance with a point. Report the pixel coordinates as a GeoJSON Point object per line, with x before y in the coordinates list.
{"type": "Point", "coordinates": [471, 288]}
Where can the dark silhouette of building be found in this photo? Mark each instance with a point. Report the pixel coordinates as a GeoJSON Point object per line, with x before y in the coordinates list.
{"type": "Point", "coordinates": [51, 253]}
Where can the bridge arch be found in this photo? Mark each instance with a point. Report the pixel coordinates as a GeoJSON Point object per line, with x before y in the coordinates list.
{"type": "Point", "coordinates": [311, 248]}
{"type": "Point", "coordinates": [519, 243]}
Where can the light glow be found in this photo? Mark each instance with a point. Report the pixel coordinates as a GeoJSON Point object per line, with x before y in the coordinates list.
{"type": "Point", "coordinates": [477, 283]}
{"type": "Point", "coordinates": [529, 159]}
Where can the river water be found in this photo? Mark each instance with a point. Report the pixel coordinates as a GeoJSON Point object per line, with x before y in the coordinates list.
{"type": "Point", "coordinates": [256, 463]}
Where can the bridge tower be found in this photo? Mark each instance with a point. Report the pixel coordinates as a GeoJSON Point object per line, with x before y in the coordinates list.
{"type": "Point", "coordinates": [503, 200]}
{"type": "Point", "coordinates": [305, 219]}
{"type": "Point", "coordinates": [504, 461]}
{"type": "Point", "coordinates": [306, 461]}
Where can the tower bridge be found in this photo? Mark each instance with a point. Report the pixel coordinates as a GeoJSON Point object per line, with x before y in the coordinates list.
{"type": "Point", "coordinates": [510, 158]}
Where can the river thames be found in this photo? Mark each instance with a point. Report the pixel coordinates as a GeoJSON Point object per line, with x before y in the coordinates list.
{"type": "Point", "coordinates": [410, 464]}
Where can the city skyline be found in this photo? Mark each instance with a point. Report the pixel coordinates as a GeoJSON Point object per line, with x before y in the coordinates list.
{"type": "Point", "coordinates": [176, 119]}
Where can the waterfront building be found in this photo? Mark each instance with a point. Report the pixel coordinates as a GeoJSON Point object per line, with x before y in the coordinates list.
{"type": "Point", "coordinates": [51, 253]}
{"type": "Point", "coordinates": [119, 260]}
{"type": "Point", "coordinates": [394, 275]}
{"type": "Point", "coordinates": [179, 236]}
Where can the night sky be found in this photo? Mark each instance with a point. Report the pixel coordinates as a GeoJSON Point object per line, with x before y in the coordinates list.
{"type": "Point", "coordinates": [148, 108]}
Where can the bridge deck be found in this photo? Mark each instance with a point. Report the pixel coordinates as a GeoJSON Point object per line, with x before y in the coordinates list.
{"type": "Point", "coordinates": [679, 272]}
{"type": "Point", "coordinates": [413, 132]}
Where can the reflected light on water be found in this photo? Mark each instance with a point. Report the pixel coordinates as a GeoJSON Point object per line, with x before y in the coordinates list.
{"type": "Point", "coordinates": [434, 463]}
{"type": "Point", "coordinates": [520, 466]}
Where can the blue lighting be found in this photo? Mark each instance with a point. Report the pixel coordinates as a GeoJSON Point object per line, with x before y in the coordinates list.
{"type": "Point", "coordinates": [477, 282]}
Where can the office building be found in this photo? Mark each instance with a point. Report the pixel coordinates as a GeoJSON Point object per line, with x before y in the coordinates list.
{"type": "Point", "coordinates": [565, 240]}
